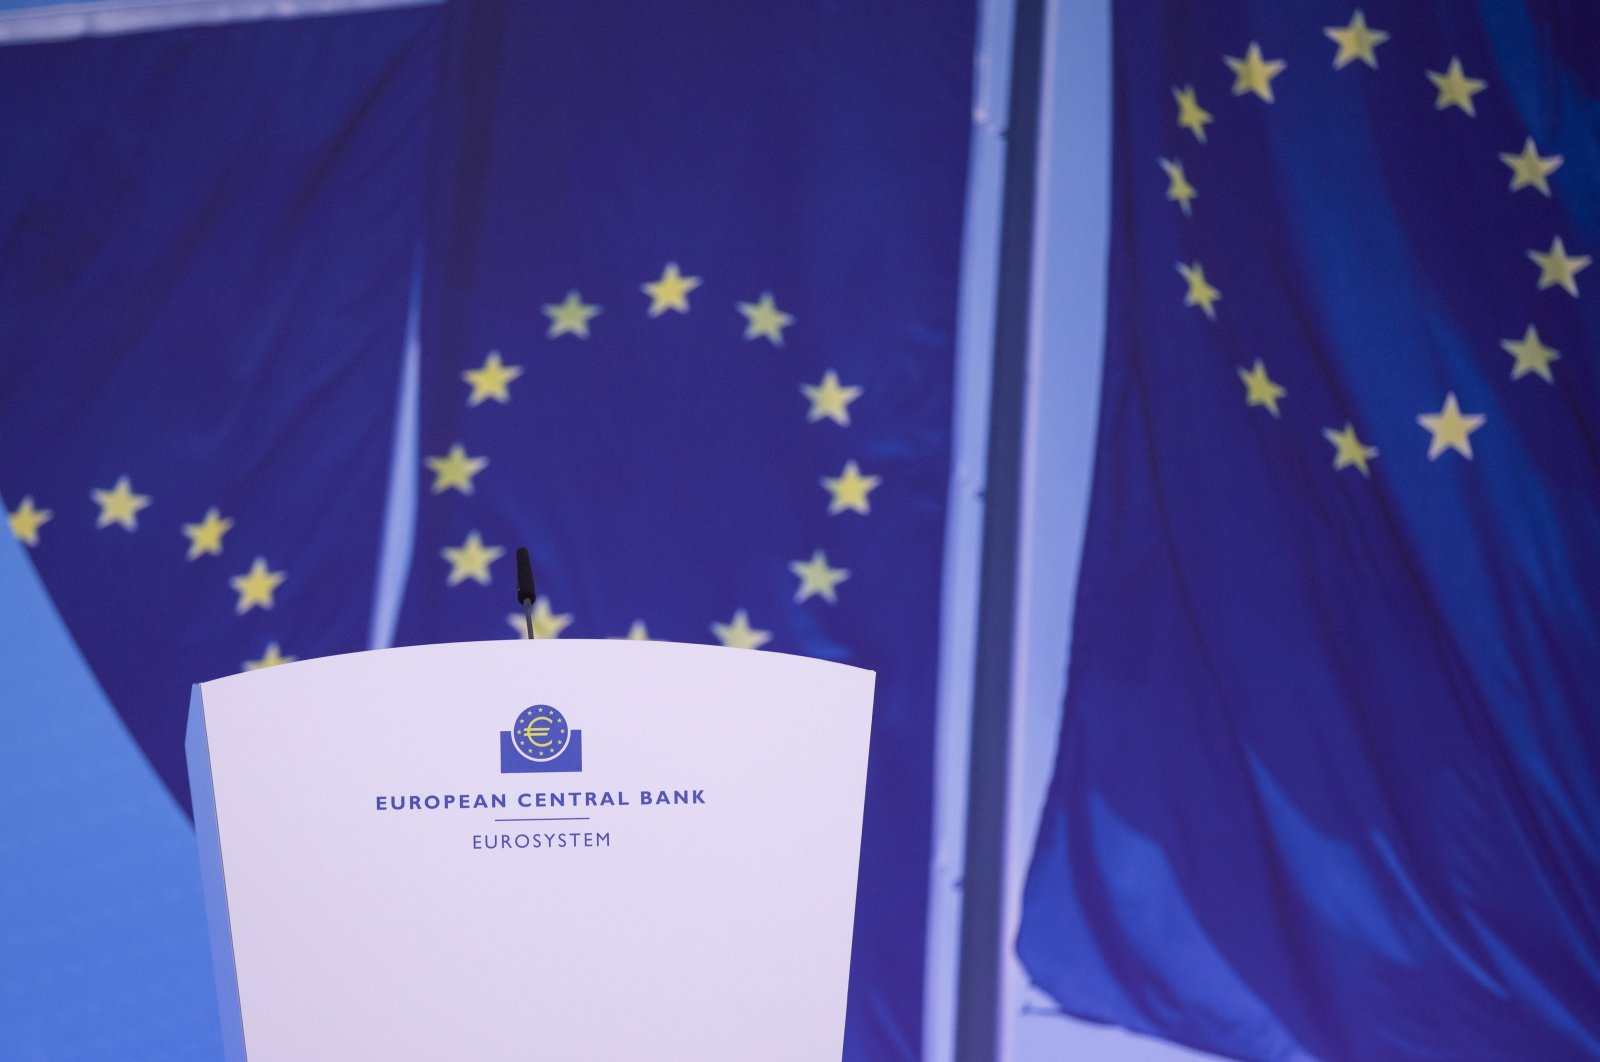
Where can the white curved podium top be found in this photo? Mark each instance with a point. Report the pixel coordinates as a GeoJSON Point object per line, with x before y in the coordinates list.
{"type": "Point", "coordinates": [533, 849]}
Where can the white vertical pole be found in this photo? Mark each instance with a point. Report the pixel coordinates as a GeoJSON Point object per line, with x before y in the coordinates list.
{"type": "Point", "coordinates": [964, 521]}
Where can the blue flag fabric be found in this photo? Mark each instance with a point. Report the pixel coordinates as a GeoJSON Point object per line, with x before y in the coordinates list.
{"type": "Point", "coordinates": [688, 334]}
{"type": "Point", "coordinates": [1326, 784]}
{"type": "Point", "coordinates": [208, 241]}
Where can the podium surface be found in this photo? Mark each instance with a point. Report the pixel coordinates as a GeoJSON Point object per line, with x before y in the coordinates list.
{"type": "Point", "coordinates": [533, 849]}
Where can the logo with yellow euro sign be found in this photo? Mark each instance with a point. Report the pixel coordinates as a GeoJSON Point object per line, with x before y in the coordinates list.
{"type": "Point", "coordinates": [540, 733]}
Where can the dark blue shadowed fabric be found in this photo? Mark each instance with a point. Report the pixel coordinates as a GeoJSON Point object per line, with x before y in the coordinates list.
{"type": "Point", "coordinates": [1326, 784]}
{"type": "Point", "coordinates": [689, 263]}
{"type": "Point", "coordinates": [206, 243]}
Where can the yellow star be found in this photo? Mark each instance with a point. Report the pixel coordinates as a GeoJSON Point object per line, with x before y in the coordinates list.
{"type": "Point", "coordinates": [119, 505]}
{"type": "Point", "coordinates": [455, 470]}
{"type": "Point", "coordinates": [638, 632]}
{"type": "Point", "coordinates": [570, 317]}
{"type": "Point", "coordinates": [1179, 190]}
{"type": "Point", "coordinates": [1348, 451]}
{"type": "Point", "coordinates": [1259, 390]}
{"type": "Point", "coordinates": [25, 521]}
{"type": "Point", "coordinates": [850, 490]}
{"type": "Point", "coordinates": [817, 579]}
{"type": "Point", "coordinates": [206, 536]}
{"type": "Point", "coordinates": [1530, 169]}
{"type": "Point", "coordinates": [1200, 293]}
{"type": "Point", "coordinates": [470, 560]}
{"type": "Point", "coordinates": [671, 292]}
{"type": "Point", "coordinates": [830, 399]}
{"type": "Point", "coordinates": [1450, 428]}
{"type": "Point", "coordinates": [546, 624]}
{"type": "Point", "coordinates": [271, 658]}
{"type": "Point", "coordinates": [493, 380]}
{"type": "Point", "coordinates": [1355, 41]}
{"type": "Point", "coordinates": [1532, 355]}
{"type": "Point", "coordinates": [1456, 89]}
{"type": "Point", "coordinates": [1253, 73]}
{"type": "Point", "coordinates": [256, 586]}
{"type": "Point", "coordinates": [764, 320]}
{"type": "Point", "coordinates": [739, 634]}
{"type": "Point", "coordinates": [1558, 267]}
{"type": "Point", "coordinates": [1191, 115]}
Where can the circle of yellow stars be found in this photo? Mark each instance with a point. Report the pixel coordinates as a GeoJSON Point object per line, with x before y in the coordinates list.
{"type": "Point", "coordinates": [828, 399]}
{"type": "Point", "coordinates": [1449, 428]}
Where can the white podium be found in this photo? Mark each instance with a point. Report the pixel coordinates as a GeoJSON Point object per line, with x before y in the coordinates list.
{"type": "Point", "coordinates": [532, 850]}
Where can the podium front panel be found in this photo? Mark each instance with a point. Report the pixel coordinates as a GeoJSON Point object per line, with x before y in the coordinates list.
{"type": "Point", "coordinates": [547, 849]}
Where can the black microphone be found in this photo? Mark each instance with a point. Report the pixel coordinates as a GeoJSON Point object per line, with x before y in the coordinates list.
{"type": "Point", "coordinates": [525, 591]}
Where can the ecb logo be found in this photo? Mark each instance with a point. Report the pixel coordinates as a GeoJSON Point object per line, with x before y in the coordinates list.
{"type": "Point", "coordinates": [540, 742]}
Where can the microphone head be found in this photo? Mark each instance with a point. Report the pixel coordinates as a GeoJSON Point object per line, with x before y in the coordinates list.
{"type": "Point", "coordinates": [525, 591]}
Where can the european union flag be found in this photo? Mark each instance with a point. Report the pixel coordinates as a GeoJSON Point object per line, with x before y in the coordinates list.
{"type": "Point", "coordinates": [208, 241]}
{"type": "Point", "coordinates": [688, 334]}
{"type": "Point", "coordinates": [1326, 785]}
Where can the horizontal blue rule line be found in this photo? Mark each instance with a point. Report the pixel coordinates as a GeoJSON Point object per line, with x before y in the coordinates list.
{"type": "Point", "coordinates": [557, 818]}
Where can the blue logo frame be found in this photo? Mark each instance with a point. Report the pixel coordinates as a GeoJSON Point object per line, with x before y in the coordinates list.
{"type": "Point", "coordinates": [540, 742]}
